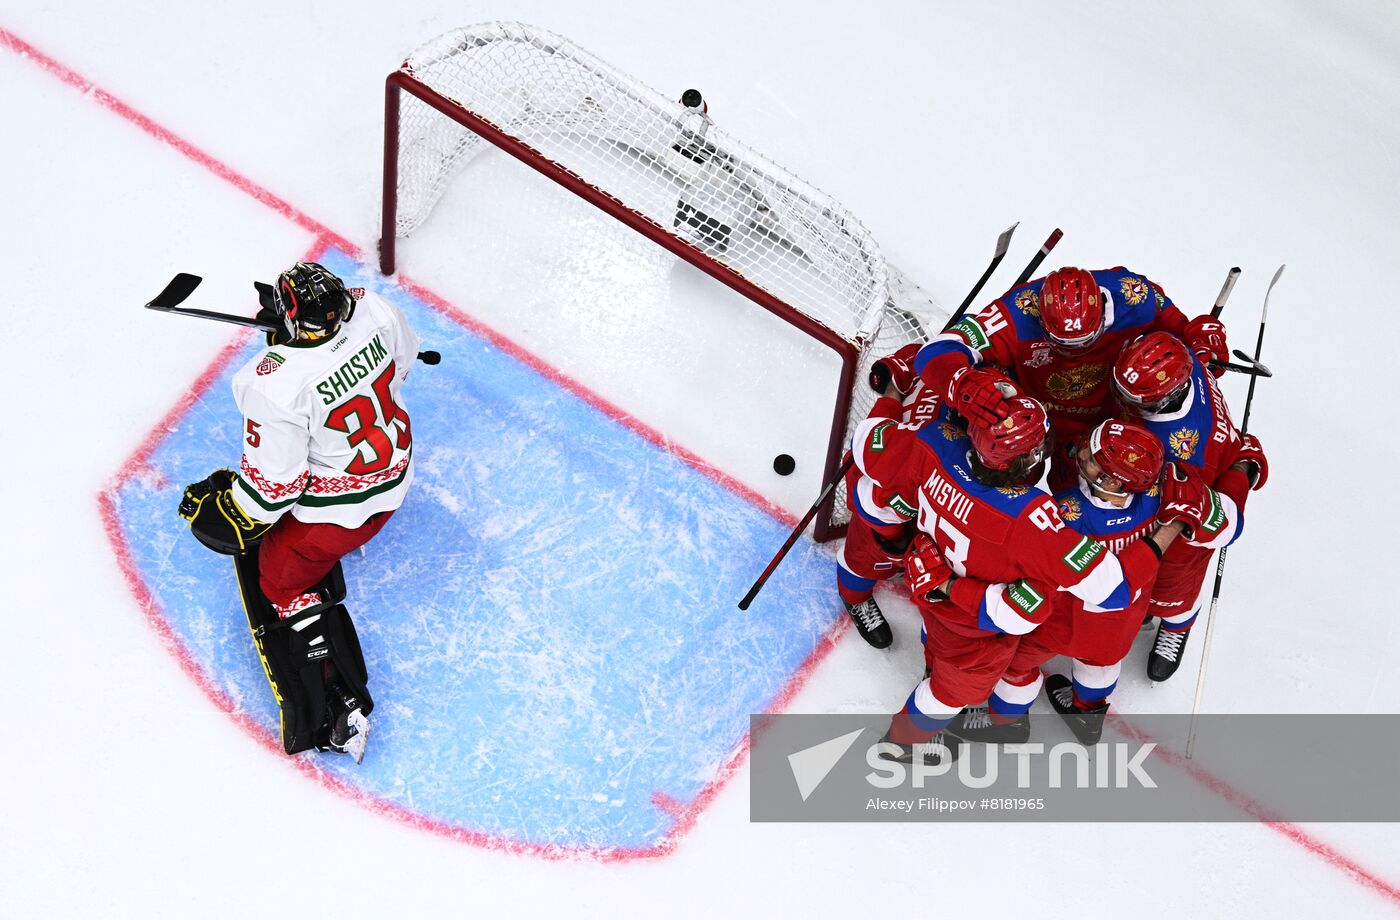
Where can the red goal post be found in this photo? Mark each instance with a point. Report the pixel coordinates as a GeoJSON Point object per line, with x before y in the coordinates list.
{"type": "Point", "coordinates": [661, 168]}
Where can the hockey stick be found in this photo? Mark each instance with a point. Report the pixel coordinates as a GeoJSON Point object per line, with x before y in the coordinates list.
{"type": "Point", "coordinates": [1220, 560]}
{"type": "Point", "coordinates": [1254, 370]}
{"type": "Point", "coordinates": [1003, 243]}
{"type": "Point", "coordinates": [183, 284]}
{"type": "Point", "coordinates": [1230, 278]}
{"type": "Point", "coordinates": [1039, 257]}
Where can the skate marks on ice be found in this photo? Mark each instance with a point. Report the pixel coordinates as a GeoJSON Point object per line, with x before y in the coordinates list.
{"type": "Point", "coordinates": [549, 621]}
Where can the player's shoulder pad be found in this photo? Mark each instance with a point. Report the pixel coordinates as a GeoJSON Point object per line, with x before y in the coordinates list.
{"type": "Point", "coordinates": [1134, 299]}
{"type": "Point", "coordinates": [1022, 304]}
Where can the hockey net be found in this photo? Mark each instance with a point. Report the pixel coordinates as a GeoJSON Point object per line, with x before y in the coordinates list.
{"type": "Point", "coordinates": [663, 168]}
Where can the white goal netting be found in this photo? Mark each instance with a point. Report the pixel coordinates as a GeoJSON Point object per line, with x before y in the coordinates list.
{"type": "Point", "coordinates": [662, 160]}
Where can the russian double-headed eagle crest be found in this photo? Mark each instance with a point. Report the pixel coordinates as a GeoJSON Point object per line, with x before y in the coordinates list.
{"type": "Point", "coordinates": [1069, 508]}
{"type": "Point", "coordinates": [1076, 382]}
{"type": "Point", "coordinates": [1028, 302]}
{"type": "Point", "coordinates": [1182, 442]}
{"type": "Point", "coordinates": [1134, 289]}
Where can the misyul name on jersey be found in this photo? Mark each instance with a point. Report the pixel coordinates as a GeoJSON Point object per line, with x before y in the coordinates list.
{"type": "Point", "coordinates": [359, 366]}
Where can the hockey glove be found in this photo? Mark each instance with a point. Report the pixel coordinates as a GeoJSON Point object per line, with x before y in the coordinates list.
{"type": "Point", "coordinates": [1187, 498]}
{"type": "Point", "coordinates": [1205, 335]}
{"type": "Point", "coordinates": [896, 370]}
{"type": "Point", "coordinates": [1256, 465]}
{"type": "Point", "coordinates": [215, 518]}
{"type": "Point", "coordinates": [925, 569]}
{"type": "Point", "coordinates": [979, 394]}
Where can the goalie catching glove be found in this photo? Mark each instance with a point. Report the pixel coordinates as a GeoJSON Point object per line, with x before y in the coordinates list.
{"type": "Point", "coordinates": [215, 518]}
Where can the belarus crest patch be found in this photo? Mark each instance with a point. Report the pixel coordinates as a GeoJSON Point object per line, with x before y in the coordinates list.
{"type": "Point", "coordinates": [1182, 442]}
{"type": "Point", "coordinates": [270, 362]}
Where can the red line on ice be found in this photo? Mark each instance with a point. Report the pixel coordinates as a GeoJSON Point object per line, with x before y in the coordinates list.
{"type": "Point", "coordinates": [685, 815]}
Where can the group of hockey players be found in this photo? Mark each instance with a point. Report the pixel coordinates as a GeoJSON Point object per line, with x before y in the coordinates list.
{"type": "Point", "coordinates": [1093, 379]}
{"type": "Point", "coordinates": [1096, 382]}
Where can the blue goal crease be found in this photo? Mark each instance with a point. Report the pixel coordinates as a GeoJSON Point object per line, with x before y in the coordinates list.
{"type": "Point", "coordinates": [549, 622]}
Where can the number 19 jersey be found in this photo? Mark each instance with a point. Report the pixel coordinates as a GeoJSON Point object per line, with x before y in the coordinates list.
{"type": "Point", "coordinates": [326, 435]}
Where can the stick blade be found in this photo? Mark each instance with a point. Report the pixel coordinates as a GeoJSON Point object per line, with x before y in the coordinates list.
{"type": "Point", "coordinates": [176, 292]}
{"type": "Point", "coordinates": [1004, 240]}
{"type": "Point", "coordinates": [1278, 274]}
{"type": "Point", "coordinates": [265, 294]}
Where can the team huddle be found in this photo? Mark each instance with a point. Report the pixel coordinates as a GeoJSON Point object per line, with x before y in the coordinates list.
{"type": "Point", "coordinates": [1097, 381]}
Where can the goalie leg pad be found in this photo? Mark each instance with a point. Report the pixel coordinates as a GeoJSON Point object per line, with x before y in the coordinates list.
{"type": "Point", "coordinates": [304, 655]}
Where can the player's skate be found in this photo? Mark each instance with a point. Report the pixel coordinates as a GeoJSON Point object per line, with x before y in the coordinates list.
{"type": "Point", "coordinates": [940, 749]}
{"type": "Point", "coordinates": [1166, 652]}
{"type": "Point", "coordinates": [349, 725]}
{"type": "Point", "coordinates": [1087, 724]}
{"type": "Point", "coordinates": [975, 724]}
{"type": "Point", "coordinates": [871, 623]}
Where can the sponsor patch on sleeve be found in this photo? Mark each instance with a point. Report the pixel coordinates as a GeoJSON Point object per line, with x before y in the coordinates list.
{"type": "Point", "coordinates": [1216, 519]}
{"type": "Point", "coordinates": [1084, 552]}
{"type": "Point", "coordinates": [902, 508]}
{"type": "Point", "coordinates": [971, 330]}
{"type": "Point", "coordinates": [877, 436]}
{"type": "Point", "coordinates": [1024, 596]}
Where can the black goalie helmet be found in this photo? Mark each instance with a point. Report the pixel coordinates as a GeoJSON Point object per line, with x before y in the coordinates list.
{"type": "Point", "coordinates": [311, 301]}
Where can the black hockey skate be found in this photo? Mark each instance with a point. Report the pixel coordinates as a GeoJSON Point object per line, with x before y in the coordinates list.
{"type": "Point", "coordinates": [942, 749]}
{"type": "Point", "coordinates": [349, 727]}
{"type": "Point", "coordinates": [975, 724]}
{"type": "Point", "coordinates": [871, 623]}
{"type": "Point", "coordinates": [1166, 653]}
{"type": "Point", "coordinates": [1087, 724]}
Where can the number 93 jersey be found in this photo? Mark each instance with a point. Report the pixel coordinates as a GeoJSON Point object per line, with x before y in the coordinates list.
{"type": "Point", "coordinates": [1008, 537]}
{"type": "Point", "coordinates": [326, 434]}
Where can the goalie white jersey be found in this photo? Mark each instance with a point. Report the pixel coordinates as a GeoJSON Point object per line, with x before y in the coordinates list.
{"type": "Point", "coordinates": [325, 431]}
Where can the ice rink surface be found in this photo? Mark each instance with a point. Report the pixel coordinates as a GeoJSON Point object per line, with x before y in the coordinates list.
{"type": "Point", "coordinates": [1175, 139]}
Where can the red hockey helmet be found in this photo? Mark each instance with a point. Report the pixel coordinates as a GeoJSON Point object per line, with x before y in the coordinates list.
{"type": "Point", "coordinates": [1022, 434]}
{"type": "Point", "coordinates": [1152, 370]}
{"type": "Point", "coordinates": [1071, 308]}
{"type": "Point", "coordinates": [1128, 452]}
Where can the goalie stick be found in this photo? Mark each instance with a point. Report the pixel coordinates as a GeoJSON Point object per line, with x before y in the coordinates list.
{"type": "Point", "coordinates": [1220, 560]}
{"type": "Point", "coordinates": [183, 284]}
{"type": "Point", "coordinates": [1003, 243]}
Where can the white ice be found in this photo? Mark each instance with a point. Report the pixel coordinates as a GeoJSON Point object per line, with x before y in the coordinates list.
{"type": "Point", "coordinates": [1178, 139]}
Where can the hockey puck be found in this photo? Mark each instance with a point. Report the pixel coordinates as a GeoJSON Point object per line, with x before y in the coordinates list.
{"type": "Point", "coordinates": [783, 464]}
